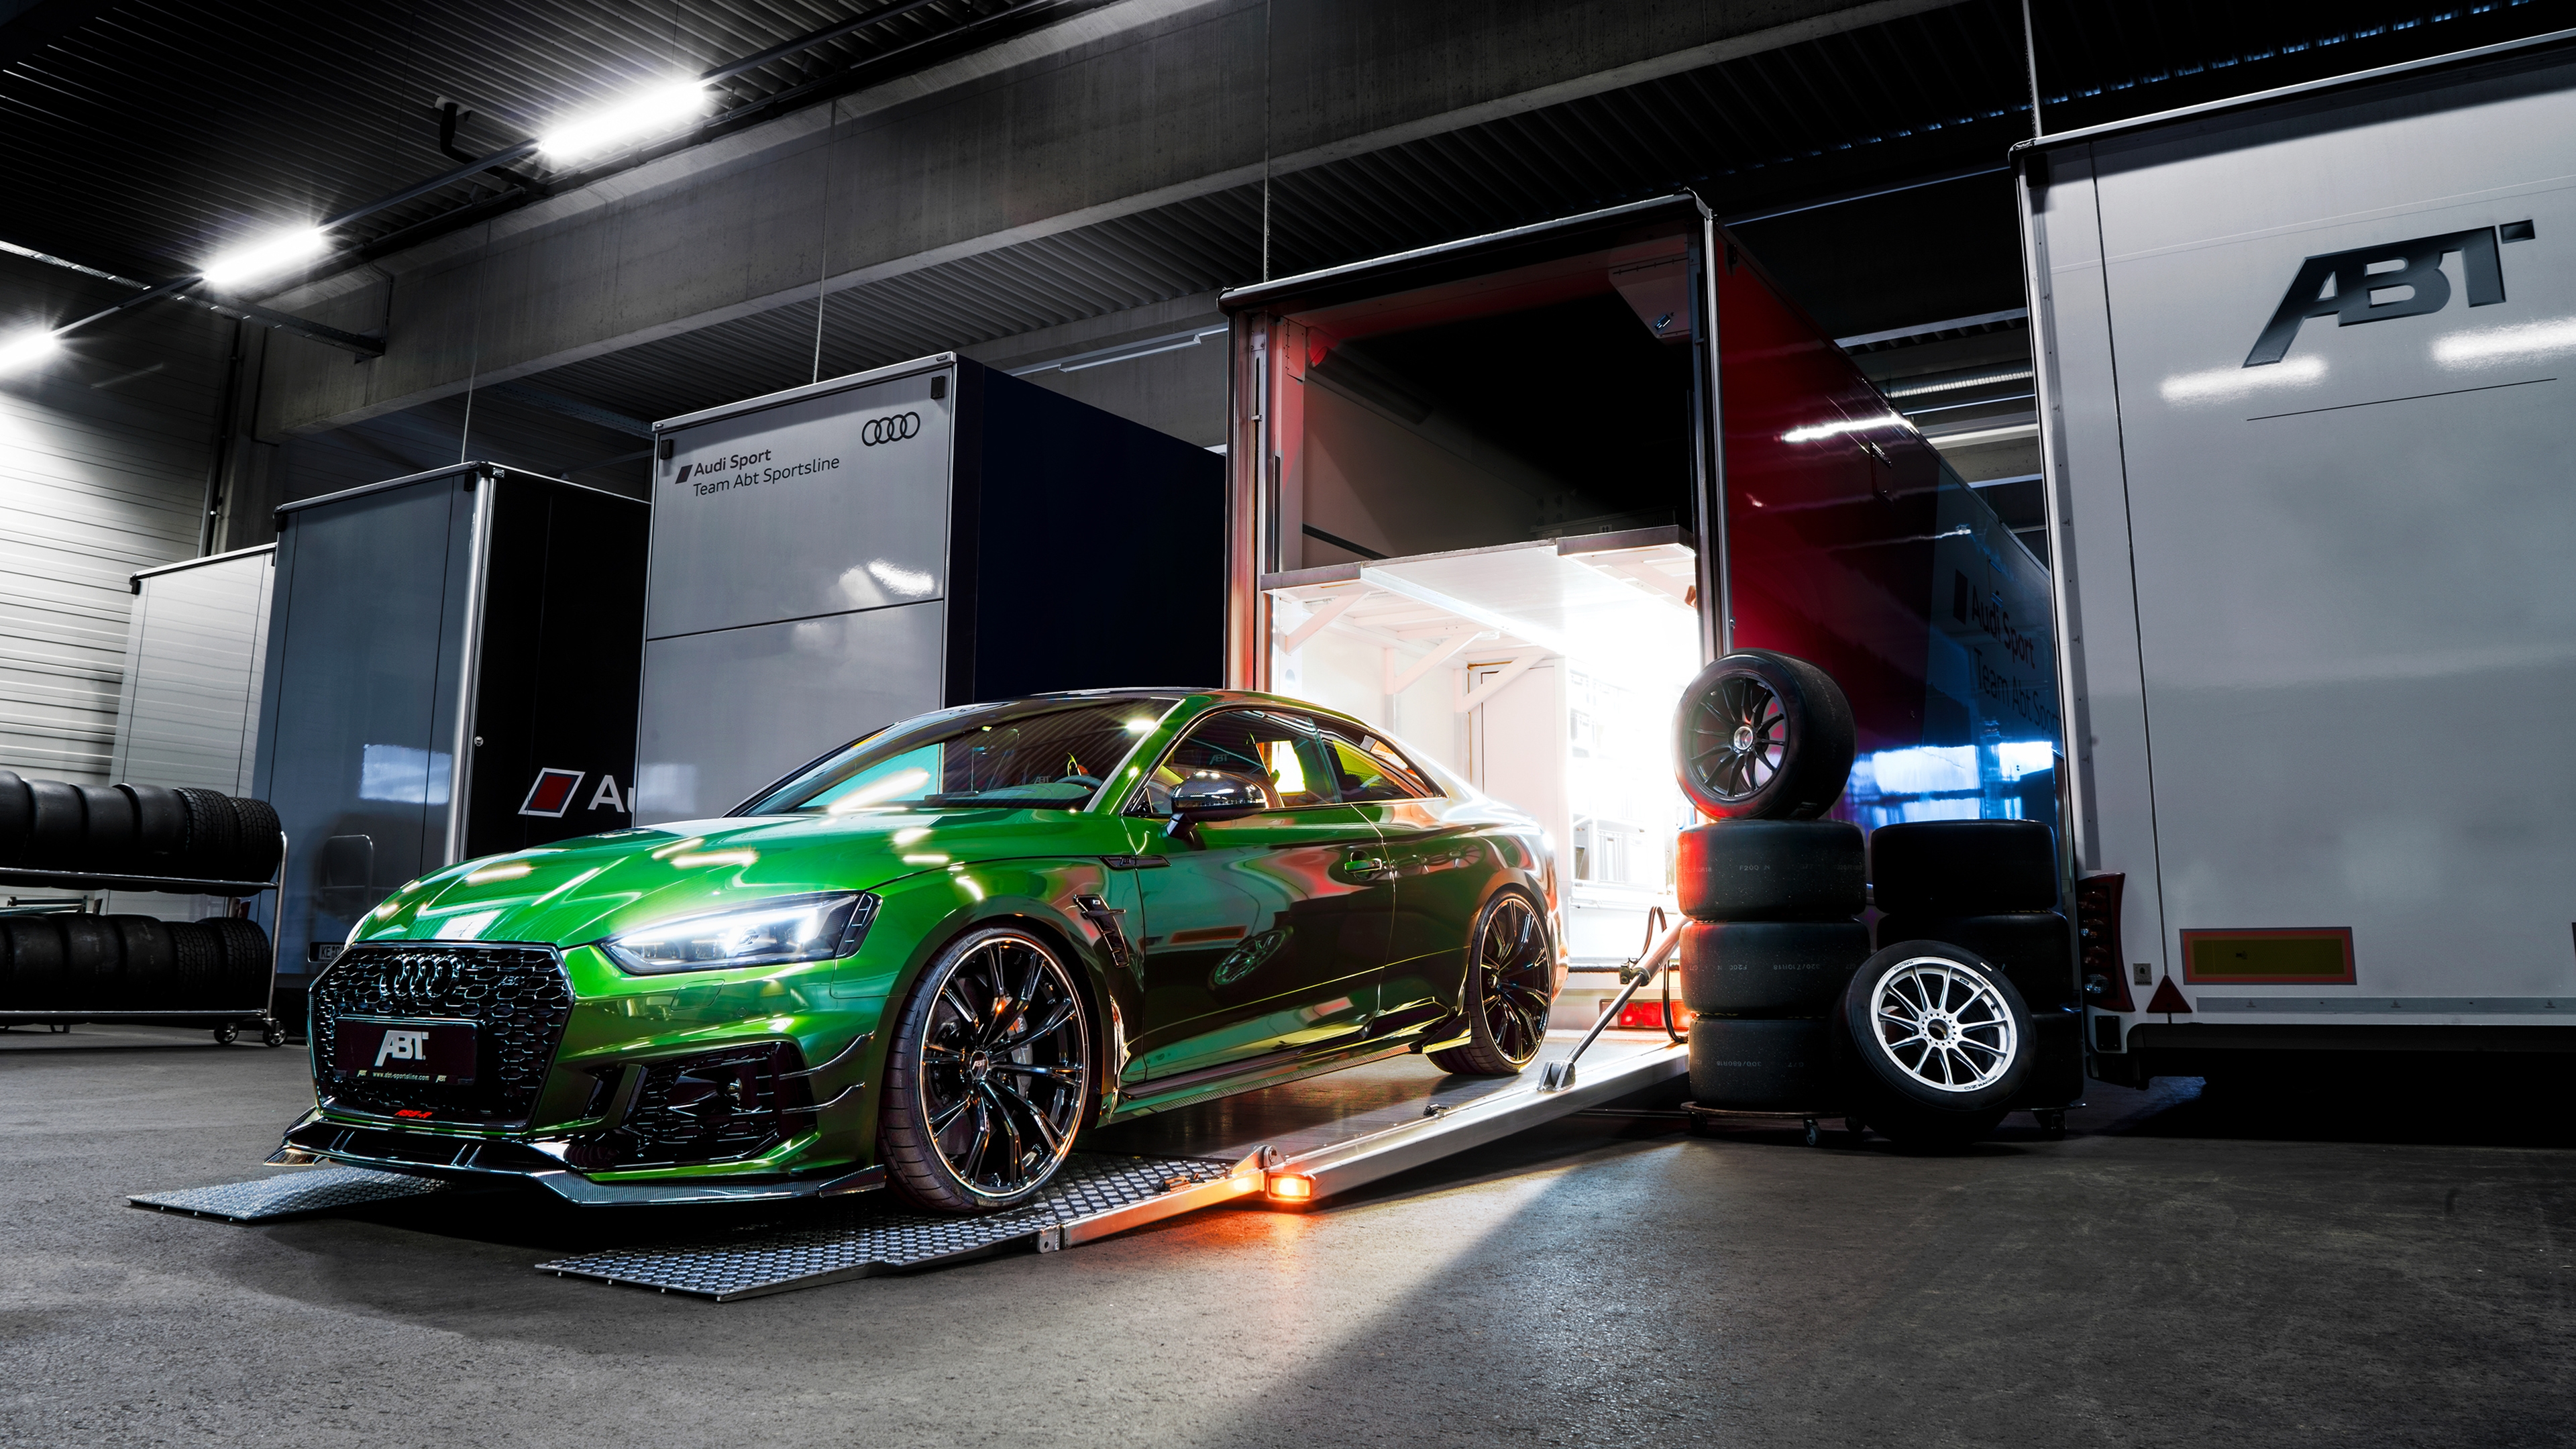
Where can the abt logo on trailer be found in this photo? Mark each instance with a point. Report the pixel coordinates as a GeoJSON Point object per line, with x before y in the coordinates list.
{"type": "Point", "coordinates": [2341, 284]}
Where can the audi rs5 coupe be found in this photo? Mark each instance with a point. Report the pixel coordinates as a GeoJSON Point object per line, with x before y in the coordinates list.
{"type": "Point", "coordinates": [933, 959]}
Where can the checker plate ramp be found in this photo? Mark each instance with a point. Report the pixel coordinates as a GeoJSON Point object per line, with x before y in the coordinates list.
{"type": "Point", "coordinates": [880, 1235]}
{"type": "Point", "coordinates": [301, 1192]}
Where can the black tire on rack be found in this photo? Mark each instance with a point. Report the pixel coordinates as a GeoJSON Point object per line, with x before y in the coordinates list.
{"type": "Point", "coordinates": [150, 979]}
{"type": "Point", "coordinates": [214, 833]}
{"type": "Point", "coordinates": [1768, 968]}
{"type": "Point", "coordinates": [246, 963]}
{"type": "Point", "coordinates": [2036, 949]}
{"type": "Point", "coordinates": [1771, 870]}
{"type": "Point", "coordinates": [34, 948]}
{"type": "Point", "coordinates": [56, 827]}
{"type": "Point", "coordinates": [197, 962]}
{"type": "Point", "coordinates": [2056, 1058]}
{"type": "Point", "coordinates": [160, 828]}
{"type": "Point", "coordinates": [260, 841]}
{"type": "Point", "coordinates": [107, 829]}
{"type": "Point", "coordinates": [1963, 867]}
{"type": "Point", "coordinates": [1763, 1066]}
{"type": "Point", "coordinates": [17, 817]}
{"type": "Point", "coordinates": [1762, 736]}
{"type": "Point", "coordinates": [93, 964]}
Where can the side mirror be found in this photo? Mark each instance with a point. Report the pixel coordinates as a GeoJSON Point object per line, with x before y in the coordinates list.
{"type": "Point", "coordinates": [1212, 797]}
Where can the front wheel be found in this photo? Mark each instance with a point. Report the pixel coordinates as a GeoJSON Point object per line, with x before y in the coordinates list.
{"type": "Point", "coordinates": [989, 1075]}
{"type": "Point", "coordinates": [1511, 975]}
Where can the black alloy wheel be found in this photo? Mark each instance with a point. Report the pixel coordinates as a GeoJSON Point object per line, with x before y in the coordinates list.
{"type": "Point", "coordinates": [1763, 736]}
{"type": "Point", "coordinates": [990, 1074]}
{"type": "Point", "coordinates": [1511, 978]}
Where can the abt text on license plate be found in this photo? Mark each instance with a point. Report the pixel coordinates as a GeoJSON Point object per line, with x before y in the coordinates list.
{"type": "Point", "coordinates": [389, 1049]}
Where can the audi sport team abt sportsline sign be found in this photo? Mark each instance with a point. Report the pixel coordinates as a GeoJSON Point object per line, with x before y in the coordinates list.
{"type": "Point", "coordinates": [747, 470]}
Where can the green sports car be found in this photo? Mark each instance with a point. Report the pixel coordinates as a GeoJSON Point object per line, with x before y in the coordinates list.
{"type": "Point", "coordinates": [931, 960]}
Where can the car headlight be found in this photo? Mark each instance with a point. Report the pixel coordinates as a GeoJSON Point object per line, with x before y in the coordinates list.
{"type": "Point", "coordinates": [773, 932]}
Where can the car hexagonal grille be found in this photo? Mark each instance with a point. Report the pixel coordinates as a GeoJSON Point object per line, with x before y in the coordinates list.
{"type": "Point", "coordinates": [516, 997]}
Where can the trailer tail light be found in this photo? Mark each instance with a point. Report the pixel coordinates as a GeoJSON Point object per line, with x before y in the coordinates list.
{"type": "Point", "coordinates": [1294, 1189]}
{"type": "Point", "coordinates": [1649, 1016]}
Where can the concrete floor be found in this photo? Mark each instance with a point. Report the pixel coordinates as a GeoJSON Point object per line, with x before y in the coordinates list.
{"type": "Point", "coordinates": [2185, 1268]}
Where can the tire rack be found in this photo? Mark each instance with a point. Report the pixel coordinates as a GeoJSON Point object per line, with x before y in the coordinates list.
{"type": "Point", "coordinates": [226, 1023]}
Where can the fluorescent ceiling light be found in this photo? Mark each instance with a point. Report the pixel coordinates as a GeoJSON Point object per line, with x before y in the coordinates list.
{"type": "Point", "coordinates": [27, 350]}
{"type": "Point", "coordinates": [2529, 342]}
{"type": "Point", "coordinates": [1814, 431]}
{"type": "Point", "coordinates": [2223, 384]}
{"type": "Point", "coordinates": [275, 254]}
{"type": "Point", "coordinates": [662, 108]}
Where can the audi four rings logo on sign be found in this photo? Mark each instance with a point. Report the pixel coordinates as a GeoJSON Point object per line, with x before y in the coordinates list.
{"type": "Point", "coordinates": [893, 429]}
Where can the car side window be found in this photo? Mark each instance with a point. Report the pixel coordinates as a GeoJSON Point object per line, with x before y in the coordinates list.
{"type": "Point", "coordinates": [1368, 768]}
{"type": "Point", "coordinates": [1277, 754]}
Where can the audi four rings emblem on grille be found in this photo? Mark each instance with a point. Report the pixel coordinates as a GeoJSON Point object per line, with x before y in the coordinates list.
{"type": "Point", "coordinates": [892, 429]}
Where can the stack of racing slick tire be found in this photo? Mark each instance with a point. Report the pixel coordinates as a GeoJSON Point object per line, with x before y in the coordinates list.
{"type": "Point", "coordinates": [1925, 1041]}
{"type": "Point", "coordinates": [83, 965]}
{"type": "Point", "coordinates": [1773, 894]}
{"type": "Point", "coordinates": [1988, 890]}
{"type": "Point", "coordinates": [66, 833]}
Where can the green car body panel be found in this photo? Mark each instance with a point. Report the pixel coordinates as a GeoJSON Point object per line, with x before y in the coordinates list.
{"type": "Point", "coordinates": [1268, 946]}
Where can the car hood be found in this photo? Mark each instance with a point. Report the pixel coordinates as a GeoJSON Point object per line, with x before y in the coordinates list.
{"type": "Point", "coordinates": [577, 891]}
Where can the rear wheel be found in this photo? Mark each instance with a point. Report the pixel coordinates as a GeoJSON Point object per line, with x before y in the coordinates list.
{"type": "Point", "coordinates": [1511, 975]}
{"type": "Point", "coordinates": [989, 1074]}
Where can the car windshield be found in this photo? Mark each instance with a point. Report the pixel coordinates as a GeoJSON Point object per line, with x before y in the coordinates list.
{"type": "Point", "coordinates": [1026, 754]}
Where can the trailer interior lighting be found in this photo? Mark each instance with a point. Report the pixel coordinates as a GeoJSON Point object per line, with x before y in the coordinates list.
{"type": "Point", "coordinates": [1814, 431]}
{"type": "Point", "coordinates": [28, 350]}
{"type": "Point", "coordinates": [2222, 383]}
{"type": "Point", "coordinates": [2531, 341]}
{"type": "Point", "coordinates": [260, 258]}
{"type": "Point", "coordinates": [662, 108]}
{"type": "Point", "coordinates": [1292, 1187]}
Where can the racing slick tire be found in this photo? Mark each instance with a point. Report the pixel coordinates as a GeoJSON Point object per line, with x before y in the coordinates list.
{"type": "Point", "coordinates": [2036, 949]}
{"type": "Point", "coordinates": [1762, 736]}
{"type": "Point", "coordinates": [1763, 1066]}
{"type": "Point", "coordinates": [196, 966]}
{"type": "Point", "coordinates": [31, 956]}
{"type": "Point", "coordinates": [1939, 1042]}
{"type": "Point", "coordinates": [1771, 870]}
{"type": "Point", "coordinates": [1510, 981]}
{"type": "Point", "coordinates": [1768, 968]}
{"type": "Point", "coordinates": [989, 1075]}
{"type": "Point", "coordinates": [1963, 867]}
{"type": "Point", "coordinates": [160, 828]}
{"type": "Point", "coordinates": [17, 817]}
{"type": "Point", "coordinates": [107, 830]}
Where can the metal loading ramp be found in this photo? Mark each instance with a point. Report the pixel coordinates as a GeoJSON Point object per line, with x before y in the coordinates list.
{"type": "Point", "coordinates": [1336, 1132]}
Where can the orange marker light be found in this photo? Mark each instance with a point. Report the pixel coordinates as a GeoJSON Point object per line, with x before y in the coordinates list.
{"type": "Point", "coordinates": [1294, 1187]}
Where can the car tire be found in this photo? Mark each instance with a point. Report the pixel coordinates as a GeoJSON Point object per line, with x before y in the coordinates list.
{"type": "Point", "coordinates": [247, 963]}
{"type": "Point", "coordinates": [952, 1074]}
{"type": "Point", "coordinates": [1763, 1066]}
{"type": "Point", "coordinates": [1762, 736]}
{"type": "Point", "coordinates": [32, 948]}
{"type": "Point", "coordinates": [261, 843]}
{"type": "Point", "coordinates": [1936, 1028]}
{"type": "Point", "coordinates": [214, 834]}
{"type": "Point", "coordinates": [160, 828]}
{"type": "Point", "coordinates": [57, 827]}
{"type": "Point", "coordinates": [2036, 949]}
{"type": "Point", "coordinates": [1771, 870]}
{"type": "Point", "coordinates": [1768, 968]}
{"type": "Point", "coordinates": [196, 966]}
{"type": "Point", "coordinates": [1963, 867]}
{"type": "Point", "coordinates": [93, 964]}
{"type": "Point", "coordinates": [148, 976]}
{"type": "Point", "coordinates": [107, 830]}
{"type": "Point", "coordinates": [17, 818]}
{"type": "Point", "coordinates": [1511, 978]}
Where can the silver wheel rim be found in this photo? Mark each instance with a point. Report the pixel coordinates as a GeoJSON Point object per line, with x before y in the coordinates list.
{"type": "Point", "coordinates": [1944, 1024]}
{"type": "Point", "coordinates": [1005, 1066]}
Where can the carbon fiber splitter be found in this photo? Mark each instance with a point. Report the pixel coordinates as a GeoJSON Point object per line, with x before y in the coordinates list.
{"type": "Point", "coordinates": [878, 1234]}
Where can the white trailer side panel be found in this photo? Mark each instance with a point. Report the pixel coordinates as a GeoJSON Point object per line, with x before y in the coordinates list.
{"type": "Point", "coordinates": [2320, 630]}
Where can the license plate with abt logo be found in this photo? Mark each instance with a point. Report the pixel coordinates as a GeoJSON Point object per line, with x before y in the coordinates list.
{"type": "Point", "coordinates": [388, 1049]}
